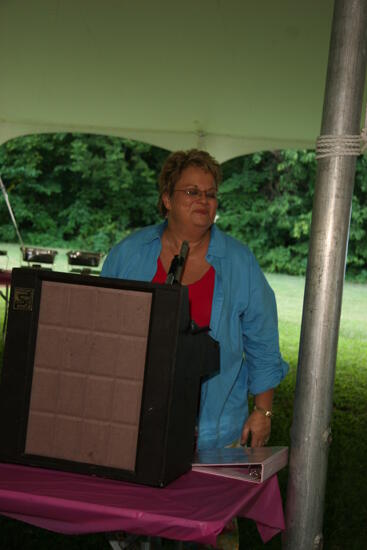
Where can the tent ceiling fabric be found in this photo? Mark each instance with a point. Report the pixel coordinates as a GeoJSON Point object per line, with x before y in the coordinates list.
{"type": "Point", "coordinates": [233, 76]}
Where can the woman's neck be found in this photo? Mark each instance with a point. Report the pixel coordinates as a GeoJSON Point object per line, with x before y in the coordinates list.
{"type": "Point", "coordinates": [198, 239]}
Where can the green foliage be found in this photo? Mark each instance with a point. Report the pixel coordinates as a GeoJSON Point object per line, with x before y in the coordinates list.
{"type": "Point", "coordinates": [266, 201]}
{"type": "Point", "coordinates": [88, 191]}
{"type": "Point", "coordinates": [357, 247]}
{"type": "Point", "coordinates": [77, 190]}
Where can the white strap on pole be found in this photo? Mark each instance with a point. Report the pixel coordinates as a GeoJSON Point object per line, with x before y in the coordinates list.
{"type": "Point", "coordinates": [4, 192]}
{"type": "Point", "coordinates": [338, 146]}
{"type": "Point", "coordinates": [342, 145]}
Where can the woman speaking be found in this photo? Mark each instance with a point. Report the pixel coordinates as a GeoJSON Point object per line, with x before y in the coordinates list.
{"type": "Point", "coordinates": [227, 291]}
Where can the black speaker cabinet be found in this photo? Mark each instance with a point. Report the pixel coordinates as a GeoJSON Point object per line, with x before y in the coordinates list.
{"type": "Point", "coordinates": [101, 376]}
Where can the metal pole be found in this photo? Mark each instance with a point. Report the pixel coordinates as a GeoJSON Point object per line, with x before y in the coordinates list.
{"type": "Point", "coordinates": [311, 434]}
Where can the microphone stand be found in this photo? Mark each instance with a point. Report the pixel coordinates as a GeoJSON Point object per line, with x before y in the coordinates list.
{"type": "Point", "coordinates": [174, 275]}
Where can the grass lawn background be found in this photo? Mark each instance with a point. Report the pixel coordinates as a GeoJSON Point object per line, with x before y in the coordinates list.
{"type": "Point", "coordinates": [345, 520]}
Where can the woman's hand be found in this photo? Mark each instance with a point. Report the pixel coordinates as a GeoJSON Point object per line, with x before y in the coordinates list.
{"type": "Point", "coordinates": [259, 426]}
{"type": "Point", "coordinates": [258, 423]}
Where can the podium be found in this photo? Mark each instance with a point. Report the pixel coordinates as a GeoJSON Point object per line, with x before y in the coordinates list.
{"type": "Point", "coordinates": [101, 376]}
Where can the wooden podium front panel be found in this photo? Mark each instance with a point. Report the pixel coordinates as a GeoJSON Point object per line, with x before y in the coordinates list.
{"type": "Point", "coordinates": [88, 374]}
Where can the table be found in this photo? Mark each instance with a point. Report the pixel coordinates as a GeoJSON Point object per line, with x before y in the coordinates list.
{"type": "Point", "coordinates": [195, 507]}
{"type": "Point", "coordinates": [5, 277]}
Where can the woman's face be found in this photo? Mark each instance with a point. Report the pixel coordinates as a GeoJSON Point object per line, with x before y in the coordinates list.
{"type": "Point", "coordinates": [193, 202]}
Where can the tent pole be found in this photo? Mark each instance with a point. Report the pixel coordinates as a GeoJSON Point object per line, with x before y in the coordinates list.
{"type": "Point", "coordinates": [311, 434]}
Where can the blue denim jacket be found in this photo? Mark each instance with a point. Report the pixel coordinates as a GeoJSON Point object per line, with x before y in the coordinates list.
{"type": "Point", "coordinates": [243, 320]}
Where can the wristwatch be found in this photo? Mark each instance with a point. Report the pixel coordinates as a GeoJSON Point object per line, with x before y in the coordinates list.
{"type": "Point", "coordinates": [266, 413]}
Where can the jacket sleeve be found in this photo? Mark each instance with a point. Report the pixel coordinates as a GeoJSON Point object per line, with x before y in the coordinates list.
{"type": "Point", "coordinates": [265, 366]}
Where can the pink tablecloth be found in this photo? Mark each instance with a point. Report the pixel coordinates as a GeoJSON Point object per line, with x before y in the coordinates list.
{"type": "Point", "coordinates": [5, 278]}
{"type": "Point", "coordinates": [194, 507]}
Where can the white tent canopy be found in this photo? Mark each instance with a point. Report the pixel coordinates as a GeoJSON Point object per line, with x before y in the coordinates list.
{"type": "Point", "coordinates": [233, 76]}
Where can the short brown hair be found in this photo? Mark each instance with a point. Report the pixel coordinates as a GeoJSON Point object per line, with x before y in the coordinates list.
{"type": "Point", "coordinates": [176, 163]}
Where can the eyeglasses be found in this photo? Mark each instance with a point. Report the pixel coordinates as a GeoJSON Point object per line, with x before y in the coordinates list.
{"type": "Point", "coordinates": [193, 193]}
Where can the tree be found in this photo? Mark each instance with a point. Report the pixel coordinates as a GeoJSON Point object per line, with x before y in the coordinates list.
{"type": "Point", "coordinates": [266, 201]}
{"type": "Point", "coordinates": [78, 190]}
{"type": "Point", "coordinates": [88, 191]}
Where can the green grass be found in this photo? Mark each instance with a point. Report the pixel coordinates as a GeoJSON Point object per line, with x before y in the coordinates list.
{"type": "Point", "coordinates": [345, 520]}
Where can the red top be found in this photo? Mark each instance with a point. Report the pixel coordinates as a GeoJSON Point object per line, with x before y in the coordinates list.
{"type": "Point", "coordinates": [200, 294]}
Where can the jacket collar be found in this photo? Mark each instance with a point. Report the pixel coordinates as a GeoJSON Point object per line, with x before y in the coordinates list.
{"type": "Point", "coordinates": [154, 232]}
{"type": "Point", "coordinates": [217, 244]}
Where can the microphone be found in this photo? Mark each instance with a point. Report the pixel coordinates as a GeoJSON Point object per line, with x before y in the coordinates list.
{"type": "Point", "coordinates": [177, 265]}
